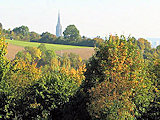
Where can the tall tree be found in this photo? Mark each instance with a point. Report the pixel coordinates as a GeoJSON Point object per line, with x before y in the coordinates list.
{"type": "Point", "coordinates": [24, 30]}
{"type": "Point", "coordinates": [22, 33]}
{"type": "Point", "coordinates": [71, 33]}
{"type": "Point", "coordinates": [117, 83]}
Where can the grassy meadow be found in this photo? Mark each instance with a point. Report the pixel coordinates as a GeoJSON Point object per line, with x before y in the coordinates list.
{"type": "Point", "coordinates": [55, 47]}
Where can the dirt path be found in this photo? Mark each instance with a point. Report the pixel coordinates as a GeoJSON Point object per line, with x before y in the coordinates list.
{"type": "Point", "coordinates": [85, 53]}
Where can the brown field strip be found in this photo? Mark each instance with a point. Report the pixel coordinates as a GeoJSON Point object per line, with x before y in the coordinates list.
{"type": "Point", "coordinates": [85, 53]}
{"type": "Point", "coordinates": [13, 50]}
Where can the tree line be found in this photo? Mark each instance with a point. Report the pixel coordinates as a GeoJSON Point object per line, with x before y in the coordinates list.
{"type": "Point", "coordinates": [120, 81]}
{"type": "Point", "coordinates": [71, 36]}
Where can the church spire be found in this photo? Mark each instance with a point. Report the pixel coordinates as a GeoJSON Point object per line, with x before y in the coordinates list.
{"type": "Point", "coordinates": [58, 27]}
{"type": "Point", "coordinates": [58, 17]}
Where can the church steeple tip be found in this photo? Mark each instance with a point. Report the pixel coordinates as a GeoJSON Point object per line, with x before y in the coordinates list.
{"type": "Point", "coordinates": [58, 16]}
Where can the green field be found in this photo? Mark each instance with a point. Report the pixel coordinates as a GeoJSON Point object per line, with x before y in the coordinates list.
{"type": "Point", "coordinates": [55, 47]}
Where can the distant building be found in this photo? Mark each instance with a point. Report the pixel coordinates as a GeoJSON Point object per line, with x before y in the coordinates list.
{"type": "Point", "coordinates": [58, 27]}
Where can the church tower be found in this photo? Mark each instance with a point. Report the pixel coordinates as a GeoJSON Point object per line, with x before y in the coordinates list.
{"type": "Point", "coordinates": [58, 27]}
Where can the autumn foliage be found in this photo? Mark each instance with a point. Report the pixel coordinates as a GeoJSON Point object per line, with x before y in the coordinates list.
{"type": "Point", "coordinates": [119, 82]}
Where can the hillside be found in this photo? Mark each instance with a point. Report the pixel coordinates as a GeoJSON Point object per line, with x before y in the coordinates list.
{"type": "Point", "coordinates": [55, 47]}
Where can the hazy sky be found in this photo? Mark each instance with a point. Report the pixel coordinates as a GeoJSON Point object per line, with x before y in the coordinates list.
{"type": "Point", "coordinates": [140, 18]}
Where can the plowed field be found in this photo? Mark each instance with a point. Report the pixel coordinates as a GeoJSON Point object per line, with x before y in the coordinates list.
{"type": "Point", "coordinates": [13, 50]}
{"type": "Point", "coordinates": [85, 53]}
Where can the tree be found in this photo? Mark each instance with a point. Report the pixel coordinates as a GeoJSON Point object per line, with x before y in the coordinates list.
{"type": "Point", "coordinates": [29, 54]}
{"type": "Point", "coordinates": [24, 30]}
{"type": "Point", "coordinates": [42, 48]}
{"type": "Point", "coordinates": [117, 85]}
{"type": "Point", "coordinates": [33, 94]}
{"type": "Point", "coordinates": [35, 53]}
{"type": "Point", "coordinates": [1, 27]}
{"type": "Point", "coordinates": [143, 44]}
{"type": "Point", "coordinates": [3, 61]}
{"type": "Point", "coordinates": [47, 37]}
{"type": "Point", "coordinates": [152, 112]}
{"type": "Point", "coordinates": [34, 37]}
{"type": "Point", "coordinates": [50, 54]}
{"type": "Point", "coordinates": [19, 78]}
{"type": "Point", "coordinates": [98, 40]}
{"type": "Point", "coordinates": [71, 34]}
{"type": "Point", "coordinates": [158, 50]}
{"type": "Point", "coordinates": [75, 60]}
{"type": "Point", "coordinates": [22, 33]}
{"type": "Point", "coordinates": [46, 56]}
{"type": "Point", "coordinates": [4, 68]}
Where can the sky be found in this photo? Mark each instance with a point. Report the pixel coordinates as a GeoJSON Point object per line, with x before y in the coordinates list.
{"type": "Point", "coordinates": [138, 18]}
